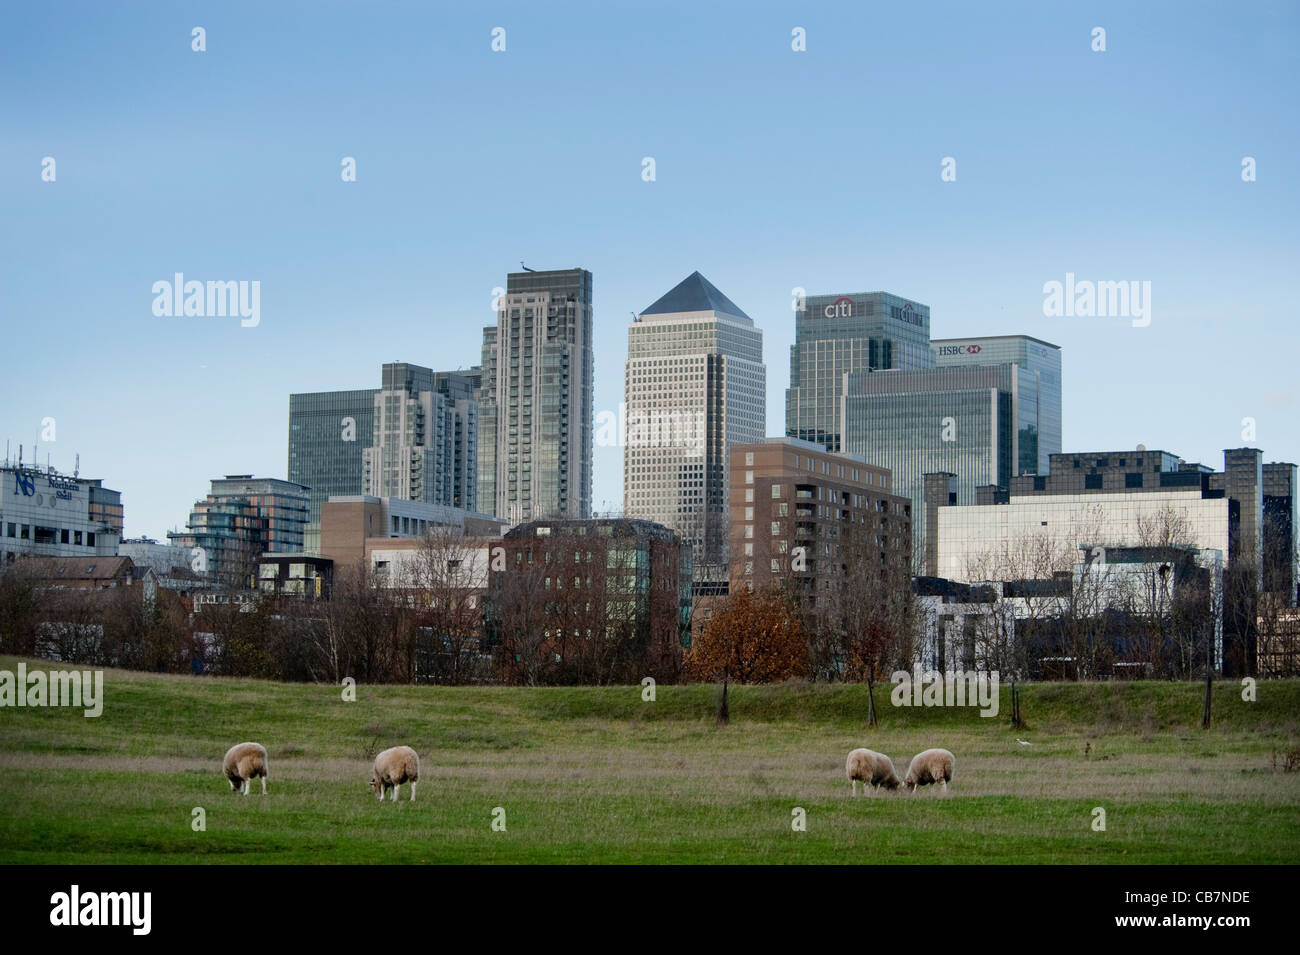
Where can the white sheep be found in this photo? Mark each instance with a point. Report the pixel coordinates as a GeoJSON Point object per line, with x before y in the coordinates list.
{"type": "Point", "coordinates": [932, 766]}
{"type": "Point", "coordinates": [393, 767]}
{"type": "Point", "coordinates": [243, 762]}
{"type": "Point", "coordinates": [874, 769]}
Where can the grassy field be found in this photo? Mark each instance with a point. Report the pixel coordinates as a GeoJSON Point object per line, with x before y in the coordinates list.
{"type": "Point", "coordinates": [596, 774]}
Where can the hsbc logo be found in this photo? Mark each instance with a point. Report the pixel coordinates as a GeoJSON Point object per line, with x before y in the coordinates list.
{"type": "Point", "coordinates": [960, 349]}
{"type": "Point", "coordinates": [840, 308]}
{"type": "Point", "coordinates": [972, 349]}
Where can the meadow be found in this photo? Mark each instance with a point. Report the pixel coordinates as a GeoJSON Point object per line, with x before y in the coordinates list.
{"type": "Point", "coordinates": [597, 774]}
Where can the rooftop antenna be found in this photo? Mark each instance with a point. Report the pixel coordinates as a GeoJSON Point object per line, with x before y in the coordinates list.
{"type": "Point", "coordinates": [524, 267]}
{"type": "Point", "coordinates": [76, 468]}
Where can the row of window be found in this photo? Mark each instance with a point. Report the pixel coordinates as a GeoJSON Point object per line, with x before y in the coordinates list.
{"type": "Point", "coordinates": [47, 535]}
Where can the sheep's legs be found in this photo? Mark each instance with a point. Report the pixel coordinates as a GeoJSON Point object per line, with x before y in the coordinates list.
{"type": "Point", "coordinates": [855, 787]}
{"type": "Point", "coordinates": [396, 786]}
{"type": "Point", "coordinates": [263, 785]}
{"type": "Point", "coordinates": [412, 792]}
{"type": "Point", "coordinates": [244, 788]}
{"type": "Point", "coordinates": [945, 787]}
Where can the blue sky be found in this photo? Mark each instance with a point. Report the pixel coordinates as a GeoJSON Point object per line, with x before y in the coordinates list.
{"type": "Point", "coordinates": [775, 169]}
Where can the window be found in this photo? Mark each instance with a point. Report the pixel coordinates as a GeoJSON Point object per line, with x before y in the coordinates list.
{"type": "Point", "coordinates": [90, 538]}
{"type": "Point", "coordinates": [749, 477]}
{"type": "Point", "coordinates": [776, 528]}
{"type": "Point", "coordinates": [749, 458]}
{"type": "Point", "coordinates": [1092, 482]}
{"type": "Point", "coordinates": [749, 494]}
{"type": "Point", "coordinates": [776, 493]}
{"type": "Point", "coordinates": [1133, 479]}
{"type": "Point", "coordinates": [776, 566]}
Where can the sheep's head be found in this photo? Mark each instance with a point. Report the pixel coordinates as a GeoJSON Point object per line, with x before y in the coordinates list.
{"type": "Point", "coordinates": [376, 786]}
{"type": "Point", "coordinates": [909, 782]}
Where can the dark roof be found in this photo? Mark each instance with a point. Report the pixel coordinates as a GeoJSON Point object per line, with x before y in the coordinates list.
{"type": "Point", "coordinates": [694, 293]}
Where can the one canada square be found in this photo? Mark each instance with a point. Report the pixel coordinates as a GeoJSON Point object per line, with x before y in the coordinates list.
{"type": "Point", "coordinates": [695, 385]}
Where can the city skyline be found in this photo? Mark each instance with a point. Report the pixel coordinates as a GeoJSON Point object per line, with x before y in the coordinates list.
{"type": "Point", "coordinates": [1057, 180]}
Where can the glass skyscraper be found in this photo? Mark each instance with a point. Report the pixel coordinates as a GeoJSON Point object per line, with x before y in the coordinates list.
{"type": "Point", "coordinates": [1039, 396]}
{"type": "Point", "coordinates": [535, 403]}
{"type": "Point", "coordinates": [960, 420]}
{"type": "Point", "coordinates": [328, 431]}
{"type": "Point", "coordinates": [836, 334]}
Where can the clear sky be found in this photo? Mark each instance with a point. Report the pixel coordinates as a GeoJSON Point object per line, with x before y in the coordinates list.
{"type": "Point", "coordinates": [775, 169]}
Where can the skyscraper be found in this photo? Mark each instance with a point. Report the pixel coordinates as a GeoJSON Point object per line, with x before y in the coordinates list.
{"type": "Point", "coordinates": [1039, 395]}
{"type": "Point", "coordinates": [425, 437]}
{"type": "Point", "coordinates": [957, 420]}
{"type": "Point", "coordinates": [695, 385]}
{"type": "Point", "coordinates": [535, 402]}
{"type": "Point", "coordinates": [328, 431]}
{"type": "Point", "coordinates": [835, 334]}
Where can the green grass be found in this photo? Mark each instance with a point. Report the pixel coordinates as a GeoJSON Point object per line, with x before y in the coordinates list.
{"type": "Point", "coordinates": [596, 774]}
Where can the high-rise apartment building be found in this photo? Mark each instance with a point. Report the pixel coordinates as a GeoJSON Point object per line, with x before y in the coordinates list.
{"type": "Point", "coordinates": [799, 512]}
{"type": "Point", "coordinates": [242, 518]}
{"type": "Point", "coordinates": [425, 437]}
{"type": "Point", "coordinates": [836, 334]}
{"type": "Point", "coordinates": [535, 400]}
{"type": "Point", "coordinates": [695, 386]}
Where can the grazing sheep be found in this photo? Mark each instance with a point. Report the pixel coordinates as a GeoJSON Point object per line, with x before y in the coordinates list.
{"type": "Point", "coordinates": [932, 766]}
{"type": "Point", "coordinates": [874, 769]}
{"type": "Point", "coordinates": [392, 768]}
{"type": "Point", "coordinates": [243, 762]}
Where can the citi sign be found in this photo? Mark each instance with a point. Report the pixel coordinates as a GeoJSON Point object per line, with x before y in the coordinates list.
{"type": "Point", "coordinates": [840, 308]}
{"type": "Point", "coordinates": [959, 349]}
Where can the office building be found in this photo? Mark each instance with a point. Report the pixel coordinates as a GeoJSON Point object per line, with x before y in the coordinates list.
{"type": "Point", "coordinates": [961, 420]}
{"type": "Point", "coordinates": [328, 434]}
{"type": "Point", "coordinates": [44, 513]}
{"type": "Point", "coordinates": [695, 387]}
{"type": "Point", "coordinates": [837, 334]}
{"type": "Point", "coordinates": [1038, 396]}
{"type": "Point", "coordinates": [535, 399]}
{"type": "Point", "coordinates": [354, 528]}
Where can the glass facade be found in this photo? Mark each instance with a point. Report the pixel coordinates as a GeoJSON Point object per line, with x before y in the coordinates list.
{"type": "Point", "coordinates": [1038, 401]}
{"type": "Point", "coordinates": [958, 420]}
{"type": "Point", "coordinates": [328, 433]}
{"type": "Point", "coordinates": [836, 334]}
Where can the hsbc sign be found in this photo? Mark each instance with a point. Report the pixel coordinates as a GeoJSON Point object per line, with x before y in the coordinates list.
{"type": "Point", "coordinates": [960, 349]}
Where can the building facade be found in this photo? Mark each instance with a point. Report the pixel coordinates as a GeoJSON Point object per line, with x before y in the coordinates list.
{"type": "Point", "coordinates": [594, 601]}
{"type": "Point", "coordinates": [535, 399]}
{"type": "Point", "coordinates": [796, 510]}
{"type": "Point", "coordinates": [695, 386]}
{"type": "Point", "coordinates": [1038, 397]}
{"type": "Point", "coordinates": [44, 513]}
{"type": "Point", "coordinates": [328, 434]}
{"type": "Point", "coordinates": [960, 420]}
{"type": "Point", "coordinates": [353, 528]}
{"type": "Point", "coordinates": [425, 444]}
{"type": "Point", "coordinates": [837, 334]}
{"type": "Point", "coordinates": [242, 518]}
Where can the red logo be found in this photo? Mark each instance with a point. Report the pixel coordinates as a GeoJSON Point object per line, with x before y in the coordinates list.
{"type": "Point", "coordinates": [972, 349]}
